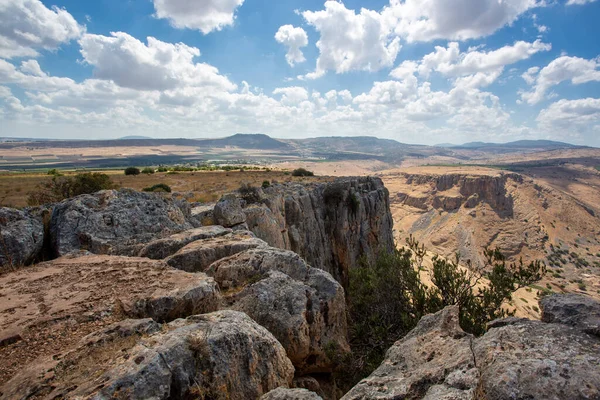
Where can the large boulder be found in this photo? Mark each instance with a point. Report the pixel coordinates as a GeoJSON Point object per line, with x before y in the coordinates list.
{"type": "Point", "coordinates": [116, 222]}
{"type": "Point", "coordinates": [50, 306]}
{"type": "Point", "coordinates": [228, 211]}
{"type": "Point", "coordinates": [434, 361]}
{"type": "Point", "coordinates": [290, 394]}
{"type": "Point", "coordinates": [330, 225]}
{"type": "Point", "coordinates": [163, 248]}
{"type": "Point", "coordinates": [197, 256]}
{"type": "Point", "coordinates": [220, 355]}
{"type": "Point", "coordinates": [21, 237]}
{"type": "Point", "coordinates": [575, 310]}
{"type": "Point", "coordinates": [303, 307]}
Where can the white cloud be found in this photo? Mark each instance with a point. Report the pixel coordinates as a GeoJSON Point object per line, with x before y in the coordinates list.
{"type": "Point", "coordinates": [565, 68]}
{"type": "Point", "coordinates": [27, 26]}
{"type": "Point", "coordinates": [205, 16]}
{"type": "Point", "coordinates": [351, 41]}
{"type": "Point", "coordinates": [292, 95]}
{"type": "Point", "coordinates": [579, 2]}
{"type": "Point", "coordinates": [155, 66]}
{"type": "Point", "coordinates": [294, 39]}
{"type": "Point", "coordinates": [575, 119]}
{"type": "Point", "coordinates": [426, 20]}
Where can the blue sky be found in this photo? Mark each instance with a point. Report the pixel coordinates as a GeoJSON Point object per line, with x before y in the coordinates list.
{"type": "Point", "coordinates": [417, 71]}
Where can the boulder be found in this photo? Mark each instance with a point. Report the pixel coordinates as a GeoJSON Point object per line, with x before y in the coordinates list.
{"type": "Point", "coordinates": [53, 304]}
{"type": "Point", "coordinates": [21, 237]}
{"type": "Point", "coordinates": [535, 360]}
{"type": "Point", "coordinates": [198, 255]}
{"type": "Point", "coordinates": [303, 307]}
{"type": "Point", "coordinates": [264, 224]}
{"type": "Point", "coordinates": [228, 211]}
{"type": "Point", "coordinates": [115, 222]}
{"type": "Point", "coordinates": [204, 213]}
{"type": "Point", "coordinates": [290, 394]}
{"type": "Point", "coordinates": [433, 361]}
{"type": "Point", "coordinates": [223, 354]}
{"type": "Point", "coordinates": [163, 248]}
{"type": "Point", "coordinates": [581, 312]}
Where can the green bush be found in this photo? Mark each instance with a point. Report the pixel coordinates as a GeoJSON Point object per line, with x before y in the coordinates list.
{"type": "Point", "coordinates": [387, 298]}
{"type": "Point", "coordinates": [163, 169]}
{"type": "Point", "coordinates": [249, 193]}
{"type": "Point", "coordinates": [302, 172]}
{"type": "Point", "coordinates": [148, 170]}
{"type": "Point", "coordinates": [60, 188]}
{"type": "Point", "coordinates": [132, 171]}
{"type": "Point", "coordinates": [54, 172]}
{"type": "Point", "coordinates": [266, 184]}
{"type": "Point", "coordinates": [159, 187]}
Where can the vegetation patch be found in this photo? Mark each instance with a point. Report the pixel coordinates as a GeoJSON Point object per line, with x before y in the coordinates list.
{"type": "Point", "coordinates": [132, 171]}
{"type": "Point", "coordinates": [61, 187]}
{"type": "Point", "coordinates": [159, 187]}
{"type": "Point", "coordinates": [302, 172]}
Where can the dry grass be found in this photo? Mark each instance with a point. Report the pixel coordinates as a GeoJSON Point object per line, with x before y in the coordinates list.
{"type": "Point", "coordinates": [204, 186]}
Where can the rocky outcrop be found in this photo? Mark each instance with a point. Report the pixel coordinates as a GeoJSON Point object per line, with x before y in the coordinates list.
{"type": "Point", "coordinates": [290, 394]}
{"type": "Point", "coordinates": [163, 248]}
{"type": "Point", "coordinates": [21, 237]}
{"type": "Point", "coordinates": [330, 225]}
{"type": "Point", "coordinates": [114, 222]}
{"type": "Point", "coordinates": [197, 256]}
{"type": "Point", "coordinates": [516, 359]}
{"type": "Point", "coordinates": [303, 307]}
{"type": "Point", "coordinates": [434, 361]}
{"type": "Point", "coordinates": [223, 354]}
{"type": "Point", "coordinates": [51, 305]}
{"type": "Point", "coordinates": [581, 312]}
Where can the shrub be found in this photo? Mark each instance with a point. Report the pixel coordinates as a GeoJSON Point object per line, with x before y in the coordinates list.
{"type": "Point", "coordinates": [148, 170]}
{"type": "Point", "coordinates": [249, 193]}
{"type": "Point", "coordinates": [132, 171]}
{"type": "Point", "coordinates": [159, 187]}
{"type": "Point", "coordinates": [386, 299]}
{"type": "Point", "coordinates": [60, 188]}
{"type": "Point", "coordinates": [302, 172]}
{"type": "Point", "coordinates": [54, 172]}
{"type": "Point", "coordinates": [266, 184]}
{"type": "Point", "coordinates": [162, 169]}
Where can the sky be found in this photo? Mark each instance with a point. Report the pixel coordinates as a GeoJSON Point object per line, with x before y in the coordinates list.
{"type": "Point", "coordinates": [417, 71]}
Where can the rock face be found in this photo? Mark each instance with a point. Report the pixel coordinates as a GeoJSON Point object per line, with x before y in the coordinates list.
{"type": "Point", "coordinates": [206, 356]}
{"type": "Point", "coordinates": [197, 256]}
{"type": "Point", "coordinates": [434, 361]}
{"type": "Point", "coordinates": [516, 359]}
{"type": "Point", "coordinates": [329, 225]}
{"type": "Point", "coordinates": [21, 237]}
{"type": "Point", "coordinates": [113, 222]}
{"type": "Point", "coordinates": [290, 394]}
{"type": "Point", "coordinates": [303, 307]}
{"type": "Point", "coordinates": [163, 248]}
{"type": "Point", "coordinates": [53, 304]}
{"type": "Point", "coordinates": [575, 310]}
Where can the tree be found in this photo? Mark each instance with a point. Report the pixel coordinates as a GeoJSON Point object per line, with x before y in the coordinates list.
{"type": "Point", "coordinates": [132, 171]}
{"type": "Point", "coordinates": [148, 170]}
{"type": "Point", "coordinates": [302, 172]}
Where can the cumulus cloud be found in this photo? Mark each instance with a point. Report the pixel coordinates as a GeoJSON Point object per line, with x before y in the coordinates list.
{"type": "Point", "coordinates": [565, 68]}
{"type": "Point", "coordinates": [294, 39]}
{"type": "Point", "coordinates": [426, 20]}
{"type": "Point", "coordinates": [579, 2]}
{"type": "Point", "coordinates": [571, 118]}
{"type": "Point", "coordinates": [292, 95]}
{"type": "Point", "coordinates": [350, 41]}
{"type": "Point", "coordinates": [27, 26]}
{"type": "Point", "coordinates": [155, 66]}
{"type": "Point", "coordinates": [205, 16]}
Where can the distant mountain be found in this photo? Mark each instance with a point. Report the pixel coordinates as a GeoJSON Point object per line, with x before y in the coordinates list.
{"type": "Point", "coordinates": [256, 141]}
{"type": "Point", "coordinates": [358, 144]}
{"type": "Point", "coordinates": [519, 145]}
{"type": "Point", "coordinates": [134, 137]}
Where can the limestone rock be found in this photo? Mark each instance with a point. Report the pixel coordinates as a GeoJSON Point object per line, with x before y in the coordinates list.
{"type": "Point", "coordinates": [21, 237]}
{"type": "Point", "coordinates": [434, 359]}
{"type": "Point", "coordinates": [206, 356]}
{"type": "Point", "coordinates": [228, 211]}
{"type": "Point", "coordinates": [303, 307]}
{"type": "Point", "coordinates": [330, 225]}
{"type": "Point", "coordinates": [163, 248]}
{"type": "Point", "coordinates": [53, 304]}
{"type": "Point", "coordinates": [204, 213]}
{"type": "Point", "coordinates": [113, 221]}
{"type": "Point", "coordinates": [575, 310]}
{"type": "Point", "coordinates": [197, 256]}
{"type": "Point", "coordinates": [535, 360]}
{"type": "Point", "coordinates": [290, 394]}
